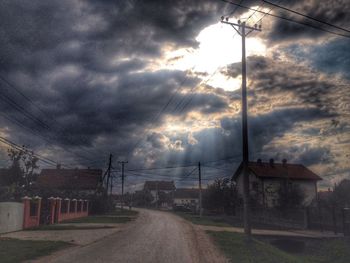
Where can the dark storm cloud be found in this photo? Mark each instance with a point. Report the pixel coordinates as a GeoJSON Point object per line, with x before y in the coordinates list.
{"type": "Point", "coordinates": [333, 12]}
{"type": "Point", "coordinates": [332, 57]}
{"type": "Point", "coordinates": [275, 76]}
{"type": "Point", "coordinates": [92, 68]}
{"type": "Point", "coordinates": [76, 60]}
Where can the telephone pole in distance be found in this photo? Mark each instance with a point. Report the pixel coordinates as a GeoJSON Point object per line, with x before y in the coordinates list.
{"type": "Point", "coordinates": [200, 189]}
{"type": "Point", "coordinates": [122, 199]}
{"type": "Point", "coordinates": [241, 29]}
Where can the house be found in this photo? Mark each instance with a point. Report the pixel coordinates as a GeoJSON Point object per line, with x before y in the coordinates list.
{"type": "Point", "coordinates": [161, 191]}
{"type": "Point", "coordinates": [187, 197]}
{"type": "Point", "coordinates": [83, 181]}
{"type": "Point", "coordinates": [267, 178]}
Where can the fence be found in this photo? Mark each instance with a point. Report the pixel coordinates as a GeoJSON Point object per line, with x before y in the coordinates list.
{"type": "Point", "coordinates": [56, 210]}
{"type": "Point", "coordinates": [315, 218]}
{"type": "Point", "coordinates": [11, 216]}
{"type": "Point", "coordinates": [31, 211]}
{"type": "Point", "coordinates": [270, 217]}
{"type": "Point", "coordinates": [36, 211]}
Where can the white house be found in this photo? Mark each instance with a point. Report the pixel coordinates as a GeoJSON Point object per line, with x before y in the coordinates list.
{"type": "Point", "coordinates": [159, 189]}
{"type": "Point", "coordinates": [188, 197]}
{"type": "Point", "coordinates": [267, 178]}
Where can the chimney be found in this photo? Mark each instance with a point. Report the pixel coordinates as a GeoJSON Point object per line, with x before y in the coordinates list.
{"type": "Point", "coordinates": [259, 161]}
{"type": "Point", "coordinates": [284, 162]}
{"type": "Point", "coordinates": [271, 162]}
{"type": "Point", "coordinates": [58, 166]}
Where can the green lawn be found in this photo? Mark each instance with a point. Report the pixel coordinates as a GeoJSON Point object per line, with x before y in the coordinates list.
{"type": "Point", "coordinates": [204, 220]}
{"type": "Point", "coordinates": [15, 250]}
{"type": "Point", "coordinates": [66, 227]}
{"type": "Point", "coordinates": [124, 212]}
{"type": "Point", "coordinates": [237, 249]}
{"type": "Point", "coordinates": [101, 219]}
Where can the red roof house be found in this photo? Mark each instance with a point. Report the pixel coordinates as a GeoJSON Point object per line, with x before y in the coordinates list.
{"type": "Point", "coordinates": [266, 178]}
{"type": "Point", "coordinates": [83, 180]}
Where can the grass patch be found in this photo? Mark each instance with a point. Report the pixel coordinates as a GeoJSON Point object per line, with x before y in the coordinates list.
{"type": "Point", "coordinates": [15, 250]}
{"type": "Point", "coordinates": [204, 220]}
{"type": "Point", "coordinates": [124, 212]}
{"type": "Point", "coordinates": [237, 250]}
{"type": "Point", "coordinates": [101, 220]}
{"type": "Point", "coordinates": [66, 227]}
{"type": "Point", "coordinates": [316, 250]}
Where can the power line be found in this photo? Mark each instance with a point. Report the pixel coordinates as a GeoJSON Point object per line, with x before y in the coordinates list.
{"type": "Point", "coordinates": [29, 115]}
{"type": "Point", "coordinates": [18, 147]}
{"type": "Point", "coordinates": [306, 16]}
{"type": "Point", "coordinates": [156, 117]}
{"type": "Point", "coordinates": [287, 19]}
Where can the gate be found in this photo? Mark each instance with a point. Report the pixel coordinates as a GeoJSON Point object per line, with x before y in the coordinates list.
{"type": "Point", "coordinates": [45, 214]}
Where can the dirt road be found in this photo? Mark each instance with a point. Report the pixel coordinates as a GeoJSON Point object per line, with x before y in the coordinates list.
{"type": "Point", "coordinates": [154, 237]}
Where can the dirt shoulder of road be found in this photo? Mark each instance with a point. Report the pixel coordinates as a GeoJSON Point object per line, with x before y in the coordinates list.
{"type": "Point", "coordinates": [203, 249]}
{"type": "Point", "coordinates": [76, 237]}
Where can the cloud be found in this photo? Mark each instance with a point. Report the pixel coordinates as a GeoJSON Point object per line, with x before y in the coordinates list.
{"type": "Point", "coordinates": [93, 69]}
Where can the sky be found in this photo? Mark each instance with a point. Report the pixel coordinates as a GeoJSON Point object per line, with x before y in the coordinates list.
{"type": "Point", "coordinates": [157, 83]}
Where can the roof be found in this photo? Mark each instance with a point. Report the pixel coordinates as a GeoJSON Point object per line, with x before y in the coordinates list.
{"type": "Point", "coordinates": [186, 193]}
{"type": "Point", "coordinates": [80, 179]}
{"type": "Point", "coordinates": [279, 170]}
{"type": "Point", "coordinates": [159, 185]}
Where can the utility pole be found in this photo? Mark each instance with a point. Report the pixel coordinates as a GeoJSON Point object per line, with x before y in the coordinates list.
{"type": "Point", "coordinates": [241, 30]}
{"type": "Point", "coordinates": [109, 172]}
{"type": "Point", "coordinates": [122, 199]}
{"type": "Point", "coordinates": [200, 189]}
{"type": "Point", "coordinates": [157, 195]}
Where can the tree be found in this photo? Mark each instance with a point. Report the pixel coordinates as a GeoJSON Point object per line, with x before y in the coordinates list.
{"type": "Point", "coordinates": [142, 198]}
{"type": "Point", "coordinates": [22, 170]}
{"type": "Point", "coordinates": [290, 196]}
{"type": "Point", "coordinates": [220, 197]}
{"type": "Point", "coordinates": [341, 194]}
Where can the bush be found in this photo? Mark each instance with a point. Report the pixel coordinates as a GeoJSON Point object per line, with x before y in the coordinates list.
{"type": "Point", "coordinates": [101, 204]}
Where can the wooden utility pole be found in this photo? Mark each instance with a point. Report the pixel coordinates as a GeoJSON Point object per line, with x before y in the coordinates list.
{"type": "Point", "coordinates": [109, 172]}
{"type": "Point", "coordinates": [157, 195]}
{"type": "Point", "coordinates": [200, 189]}
{"type": "Point", "coordinates": [241, 30]}
{"type": "Point", "coordinates": [122, 199]}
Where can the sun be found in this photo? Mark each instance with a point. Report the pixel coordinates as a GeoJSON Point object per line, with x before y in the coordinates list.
{"type": "Point", "coordinates": [219, 46]}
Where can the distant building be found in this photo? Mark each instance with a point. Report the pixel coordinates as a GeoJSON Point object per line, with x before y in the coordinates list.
{"type": "Point", "coordinates": [267, 178]}
{"type": "Point", "coordinates": [188, 197]}
{"type": "Point", "coordinates": [84, 181]}
{"type": "Point", "coordinates": [161, 191]}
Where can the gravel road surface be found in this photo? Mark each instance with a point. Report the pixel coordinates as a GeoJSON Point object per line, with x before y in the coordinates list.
{"type": "Point", "coordinates": [153, 237]}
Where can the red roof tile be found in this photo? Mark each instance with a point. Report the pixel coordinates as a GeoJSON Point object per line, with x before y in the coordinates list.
{"type": "Point", "coordinates": [78, 179]}
{"type": "Point", "coordinates": [279, 170]}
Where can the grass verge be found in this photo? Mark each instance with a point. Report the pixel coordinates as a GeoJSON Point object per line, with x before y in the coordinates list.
{"type": "Point", "coordinates": [204, 220]}
{"type": "Point", "coordinates": [66, 227]}
{"type": "Point", "coordinates": [237, 249]}
{"type": "Point", "coordinates": [15, 250]}
{"type": "Point", "coordinates": [101, 220]}
{"type": "Point", "coordinates": [124, 212]}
